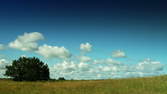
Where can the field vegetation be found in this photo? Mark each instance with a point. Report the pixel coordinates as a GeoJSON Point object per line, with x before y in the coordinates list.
{"type": "Point", "coordinates": [148, 85]}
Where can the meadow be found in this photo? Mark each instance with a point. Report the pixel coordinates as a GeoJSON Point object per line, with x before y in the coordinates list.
{"type": "Point", "coordinates": [148, 85]}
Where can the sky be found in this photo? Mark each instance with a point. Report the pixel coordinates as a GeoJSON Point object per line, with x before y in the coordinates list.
{"type": "Point", "coordinates": [86, 39]}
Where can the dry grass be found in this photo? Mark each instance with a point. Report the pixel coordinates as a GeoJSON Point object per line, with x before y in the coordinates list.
{"type": "Point", "coordinates": [152, 85]}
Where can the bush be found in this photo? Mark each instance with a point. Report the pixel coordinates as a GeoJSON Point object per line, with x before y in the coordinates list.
{"type": "Point", "coordinates": [28, 69]}
{"type": "Point", "coordinates": [61, 78]}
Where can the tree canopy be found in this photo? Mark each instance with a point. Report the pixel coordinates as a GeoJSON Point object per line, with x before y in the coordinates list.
{"type": "Point", "coordinates": [28, 69]}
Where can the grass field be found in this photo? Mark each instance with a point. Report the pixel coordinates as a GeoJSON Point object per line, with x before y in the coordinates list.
{"type": "Point", "coordinates": [151, 85]}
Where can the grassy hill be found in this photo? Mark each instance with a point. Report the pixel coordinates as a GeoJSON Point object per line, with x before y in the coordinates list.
{"type": "Point", "coordinates": [150, 85]}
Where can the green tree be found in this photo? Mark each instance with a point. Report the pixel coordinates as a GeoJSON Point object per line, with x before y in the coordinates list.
{"type": "Point", "coordinates": [28, 69]}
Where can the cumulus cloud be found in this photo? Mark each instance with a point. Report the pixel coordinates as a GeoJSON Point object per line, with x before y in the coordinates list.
{"type": "Point", "coordinates": [82, 67]}
{"type": "Point", "coordinates": [107, 61]}
{"type": "Point", "coordinates": [3, 64]}
{"type": "Point", "coordinates": [83, 70]}
{"type": "Point", "coordinates": [65, 67]}
{"type": "Point", "coordinates": [118, 54]}
{"type": "Point", "coordinates": [146, 67]}
{"type": "Point", "coordinates": [86, 47]}
{"type": "Point", "coordinates": [109, 65]}
{"type": "Point", "coordinates": [111, 61]}
{"type": "Point", "coordinates": [53, 52]}
{"type": "Point", "coordinates": [27, 41]}
{"type": "Point", "coordinates": [2, 47]}
{"type": "Point", "coordinates": [106, 68]}
{"type": "Point", "coordinates": [69, 69]}
{"type": "Point", "coordinates": [149, 66]}
{"type": "Point", "coordinates": [84, 59]}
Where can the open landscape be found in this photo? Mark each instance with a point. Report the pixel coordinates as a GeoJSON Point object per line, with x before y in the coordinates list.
{"type": "Point", "coordinates": [83, 46]}
{"type": "Point", "coordinates": [148, 85]}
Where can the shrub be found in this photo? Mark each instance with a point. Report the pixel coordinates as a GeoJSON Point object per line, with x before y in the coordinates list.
{"type": "Point", "coordinates": [61, 78]}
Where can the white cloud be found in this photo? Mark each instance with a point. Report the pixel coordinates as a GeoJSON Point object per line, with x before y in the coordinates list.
{"type": "Point", "coordinates": [107, 61]}
{"type": "Point", "coordinates": [84, 59]}
{"type": "Point", "coordinates": [2, 47]}
{"type": "Point", "coordinates": [148, 65]}
{"type": "Point", "coordinates": [65, 67]}
{"type": "Point", "coordinates": [106, 68]}
{"type": "Point", "coordinates": [53, 52]}
{"type": "Point", "coordinates": [70, 69]}
{"type": "Point", "coordinates": [109, 65]}
{"type": "Point", "coordinates": [83, 70]}
{"type": "Point", "coordinates": [83, 67]}
{"type": "Point", "coordinates": [111, 61]}
{"type": "Point", "coordinates": [87, 47]}
{"type": "Point", "coordinates": [3, 64]}
{"type": "Point", "coordinates": [27, 42]}
{"type": "Point", "coordinates": [118, 54]}
{"type": "Point", "coordinates": [71, 66]}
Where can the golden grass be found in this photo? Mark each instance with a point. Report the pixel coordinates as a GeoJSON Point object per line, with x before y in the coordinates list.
{"type": "Point", "coordinates": [151, 85]}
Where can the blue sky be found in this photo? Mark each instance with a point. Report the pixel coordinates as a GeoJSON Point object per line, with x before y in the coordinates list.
{"type": "Point", "coordinates": [135, 28]}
